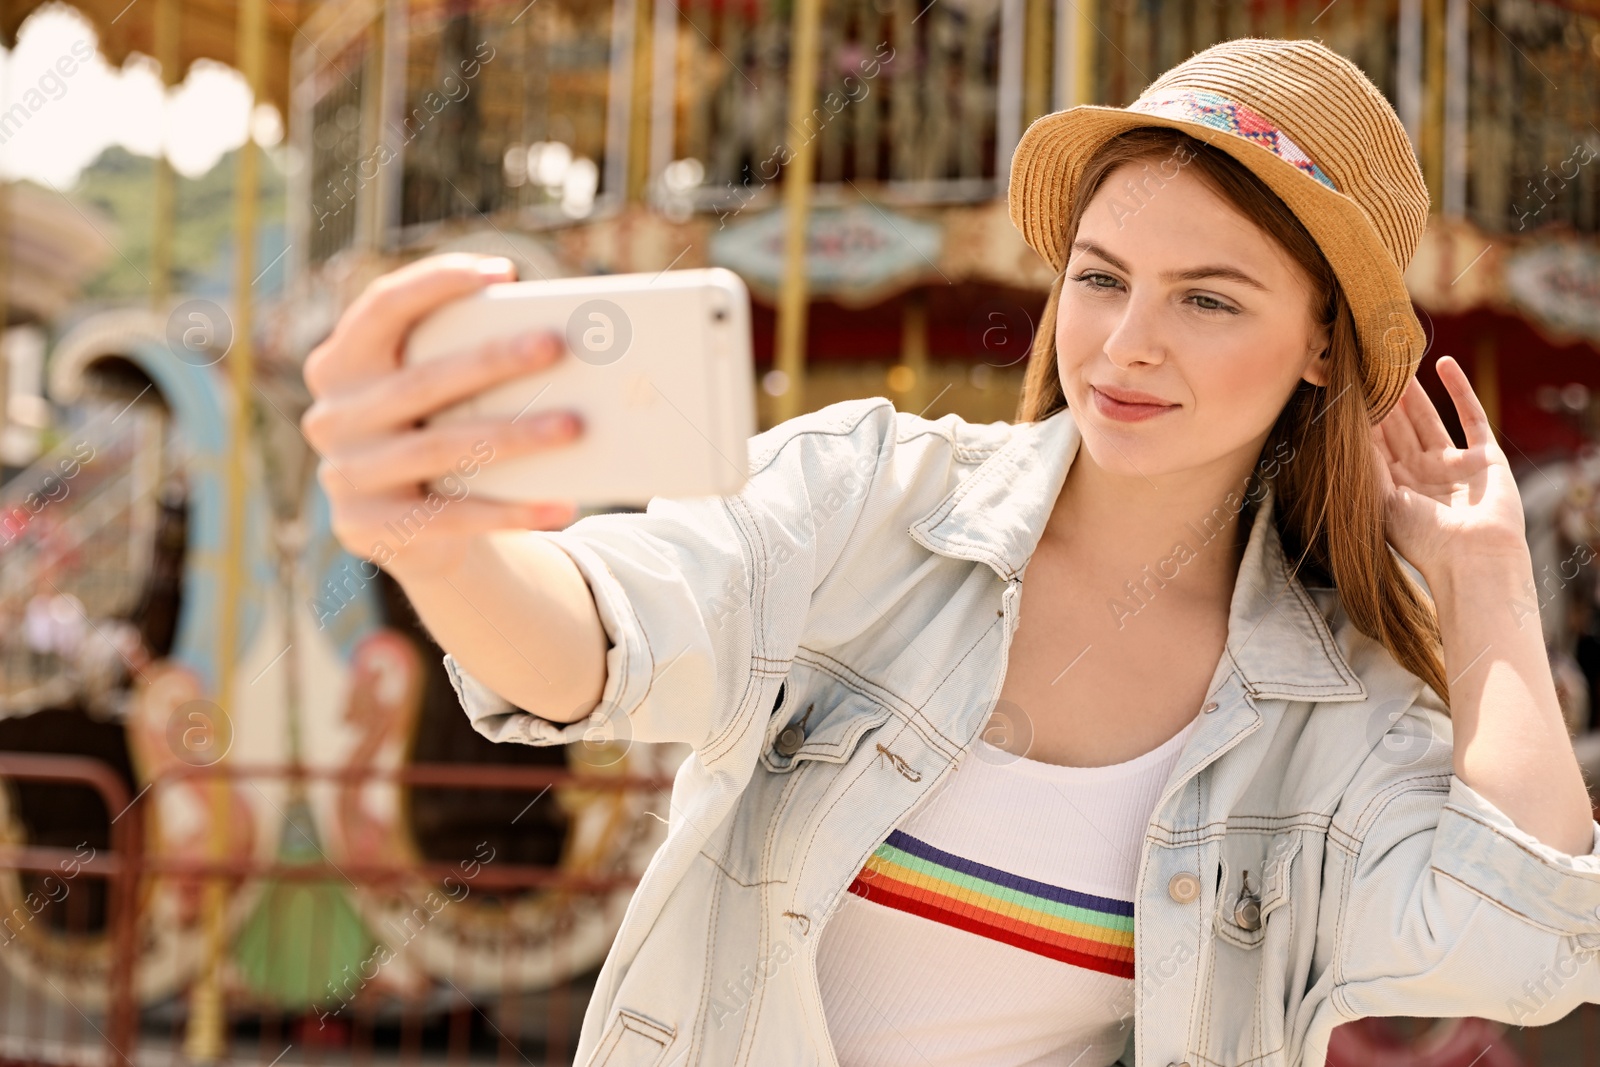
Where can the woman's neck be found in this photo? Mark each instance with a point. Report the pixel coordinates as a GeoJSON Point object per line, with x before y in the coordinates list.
{"type": "Point", "coordinates": [1117, 524]}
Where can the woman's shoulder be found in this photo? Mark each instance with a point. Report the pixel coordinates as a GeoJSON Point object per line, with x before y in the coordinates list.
{"type": "Point", "coordinates": [870, 430]}
{"type": "Point", "coordinates": [1396, 730]}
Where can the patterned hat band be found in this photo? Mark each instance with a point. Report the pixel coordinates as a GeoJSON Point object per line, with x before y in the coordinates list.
{"type": "Point", "coordinates": [1218, 112]}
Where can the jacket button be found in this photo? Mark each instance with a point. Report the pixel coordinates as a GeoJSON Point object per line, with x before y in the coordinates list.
{"type": "Point", "coordinates": [1184, 887]}
{"type": "Point", "coordinates": [790, 740]}
{"type": "Point", "coordinates": [1210, 706]}
{"type": "Point", "coordinates": [1247, 909]}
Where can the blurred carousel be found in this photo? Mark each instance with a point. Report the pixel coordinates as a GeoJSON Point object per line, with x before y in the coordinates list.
{"type": "Point", "coordinates": [135, 630]}
{"type": "Point", "coordinates": [109, 647]}
{"type": "Point", "coordinates": [1561, 501]}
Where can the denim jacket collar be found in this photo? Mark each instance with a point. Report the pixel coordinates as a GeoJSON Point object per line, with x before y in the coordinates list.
{"type": "Point", "coordinates": [1277, 637]}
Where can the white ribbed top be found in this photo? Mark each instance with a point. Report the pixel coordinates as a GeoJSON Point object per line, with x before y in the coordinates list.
{"type": "Point", "coordinates": [994, 926]}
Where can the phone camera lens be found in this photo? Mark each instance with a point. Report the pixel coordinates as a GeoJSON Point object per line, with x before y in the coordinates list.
{"type": "Point", "coordinates": [719, 314]}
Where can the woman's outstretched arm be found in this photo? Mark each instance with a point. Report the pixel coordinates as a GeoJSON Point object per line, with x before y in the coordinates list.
{"type": "Point", "coordinates": [1456, 516]}
{"type": "Point", "coordinates": [505, 584]}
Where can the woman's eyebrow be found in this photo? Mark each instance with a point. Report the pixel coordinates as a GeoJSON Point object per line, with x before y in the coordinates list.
{"type": "Point", "coordinates": [1192, 274]}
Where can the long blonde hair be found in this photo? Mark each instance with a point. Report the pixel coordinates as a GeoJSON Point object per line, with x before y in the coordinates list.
{"type": "Point", "coordinates": [1331, 474]}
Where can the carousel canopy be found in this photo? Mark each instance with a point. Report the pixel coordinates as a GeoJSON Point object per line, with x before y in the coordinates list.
{"type": "Point", "coordinates": [55, 246]}
{"type": "Point", "coordinates": [207, 29]}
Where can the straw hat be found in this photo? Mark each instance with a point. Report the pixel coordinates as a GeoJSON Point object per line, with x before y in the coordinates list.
{"type": "Point", "coordinates": [1310, 125]}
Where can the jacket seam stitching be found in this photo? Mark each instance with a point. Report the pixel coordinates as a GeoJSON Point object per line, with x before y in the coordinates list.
{"type": "Point", "coordinates": [758, 584]}
{"type": "Point", "coordinates": [627, 657]}
{"type": "Point", "coordinates": [697, 1036]}
{"type": "Point", "coordinates": [757, 560]}
{"type": "Point", "coordinates": [785, 800]}
{"type": "Point", "coordinates": [957, 665]}
{"type": "Point", "coordinates": [999, 461]}
{"type": "Point", "coordinates": [961, 448]}
{"type": "Point", "coordinates": [1319, 625]}
{"type": "Point", "coordinates": [713, 746]}
{"type": "Point", "coordinates": [1261, 1016]}
{"type": "Point", "coordinates": [846, 743]}
{"type": "Point", "coordinates": [747, 1038]}
{"type": "Point", "coordinates": [817, 824]}
{"type": "Point", "coordinates": [1218, 830]}
{"type": "Point", "coordinates": [759, 588]}
{"type": "Point", "coordinates": [1373, 811]}
{"type": "Point", "coordinates": [1204, 991]}
{"type": "Point", "coordinates": [735, 879]}
{"type": "Point", "coordinates": [1502, 835]}
{"type": "Point", "coordinates": [822, 431]}
{"type": "Point", "coordinates": [1491, 898]}
{"type": "Point", "coordinates": [779, 810]}
{"type": "Point", "coordinates": [760, 594]}
{"type": "Point", "coordinates": [1368, 816]}
{"type": "Point", "coordinates": [1346, 889]}
{"type": "Point", "coordinates": [903, 709]}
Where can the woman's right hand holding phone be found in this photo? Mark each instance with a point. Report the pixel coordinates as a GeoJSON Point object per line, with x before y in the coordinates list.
{"type": "Point", "coordinates": [378, 462]}
{"type": "Point", "coordinates": [471, 580]}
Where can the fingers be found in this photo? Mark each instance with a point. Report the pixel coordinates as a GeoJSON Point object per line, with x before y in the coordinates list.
{"type": "Point", "coordinates": [1399, 430]}
{"type": "Point", "coordinates": [1424, 418]}
{"type": "Point", "coordinates": [401, 397]}
{"type": "Point", "coordinates": [366, 341]}
{"type": "Point", "coordinates": [398, 462]}
{"type": "Point", "coordinates": [1381, 443]}
{"type": "Point", "coordinates": [1383, 460]}
{"type": "Point", "coordinates": [1474, 421]}
{"type": "Point", "coordinates": [399, 493]}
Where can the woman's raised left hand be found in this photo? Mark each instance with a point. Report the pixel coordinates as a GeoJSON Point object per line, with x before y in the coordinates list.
{"type": "Point", "coordinates": [1446, 506]}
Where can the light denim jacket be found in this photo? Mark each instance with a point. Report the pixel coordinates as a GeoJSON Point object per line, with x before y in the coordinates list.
{"type": "Point", "coordinates": [866, 581]}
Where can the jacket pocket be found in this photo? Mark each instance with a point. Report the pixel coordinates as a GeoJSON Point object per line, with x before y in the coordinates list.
{"type": "Point", "coordinates": [796, 778]}
{"type": "Point", "coordinates": [1247, 987]}
{"type": "Point", "coordinates": [633, 1040]}
{"type": "Point", "coordinates": [826, 727]}
{"type": "Point", "coordinates": [1268, 879]}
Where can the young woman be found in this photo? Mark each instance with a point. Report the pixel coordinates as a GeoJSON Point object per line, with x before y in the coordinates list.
{"type": "Point", "coordinates": [1121, 730]}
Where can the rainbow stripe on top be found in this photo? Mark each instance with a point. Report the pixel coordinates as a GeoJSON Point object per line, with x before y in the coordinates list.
{"type": "Point", "coordinates": [1077, 928]}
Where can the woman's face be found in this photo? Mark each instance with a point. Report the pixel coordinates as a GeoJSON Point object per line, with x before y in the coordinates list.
{"type": "Point", "coordinates": [1182, 328]}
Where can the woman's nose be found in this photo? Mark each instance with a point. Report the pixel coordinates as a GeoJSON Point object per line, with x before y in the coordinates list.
{"type": "Point", "coordinates": [1137, 336]}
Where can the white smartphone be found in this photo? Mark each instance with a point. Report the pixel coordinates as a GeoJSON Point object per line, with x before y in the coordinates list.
{"type": "Point", "coordinates": [658, 366]}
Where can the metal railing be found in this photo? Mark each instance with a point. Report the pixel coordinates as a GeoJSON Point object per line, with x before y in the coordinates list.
{"type": "Point", "coordinates": [408, 1015]}
{"type": "Point", "coordinates": [119, 869]}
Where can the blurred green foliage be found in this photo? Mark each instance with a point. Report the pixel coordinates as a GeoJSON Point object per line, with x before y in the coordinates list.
{"type": "Point", "coordinates": [121, 185]}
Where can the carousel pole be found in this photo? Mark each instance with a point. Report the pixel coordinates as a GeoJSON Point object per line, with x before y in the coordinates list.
{"type": "Point", "coordinates": [791, 353]}
{"type": "Point", "coordinates": [1433, 116]}
{"type": "Point", "coordinates": [162, 217]}
{"type": "Point", "coordinates": [1074, 55]}
{"type": "Point", "coordinates": [1453, 184]}
{"type": "Point", "coordinates": [1408, 71]}
{"type": "Point", "coordinates": [5, 288]}
{"type": "Point", "coordinates": [1036, 91]}
{"type": "Point", "coordinates": [205, 1041]}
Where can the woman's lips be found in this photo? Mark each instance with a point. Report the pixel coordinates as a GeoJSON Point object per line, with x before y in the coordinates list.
{"type": "Point", "coordinates": [1126, 412]}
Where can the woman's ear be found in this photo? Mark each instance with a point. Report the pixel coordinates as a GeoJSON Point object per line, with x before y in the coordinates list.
{"type": "Point", "coordinates": [1317, 352]}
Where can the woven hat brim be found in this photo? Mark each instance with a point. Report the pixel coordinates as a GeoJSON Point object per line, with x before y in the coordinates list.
{"type": "Point", "coordinates": [1049, 162]}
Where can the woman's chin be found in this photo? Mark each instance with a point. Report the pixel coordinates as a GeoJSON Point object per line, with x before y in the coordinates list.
{"type": "Point", "coordinates": [1132, 459]}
